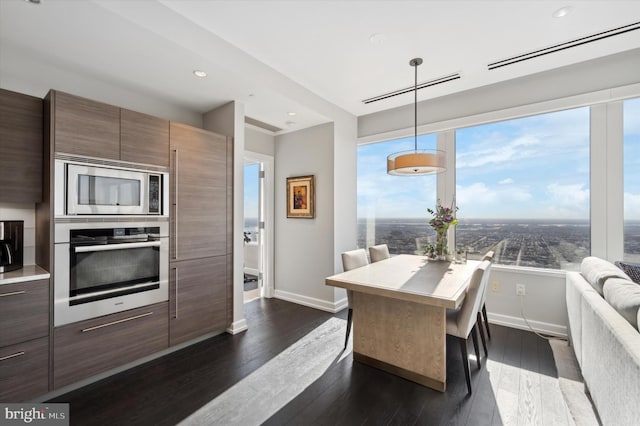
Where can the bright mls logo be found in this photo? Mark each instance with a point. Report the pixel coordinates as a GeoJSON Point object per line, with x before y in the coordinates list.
{"type": "Point", "coordinates": [39, 414]}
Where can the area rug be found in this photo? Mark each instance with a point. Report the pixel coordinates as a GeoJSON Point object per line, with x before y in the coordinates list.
{"type": "Point", "coordinates": [572, 384]}
{"type": "Point", "coordinates": [261, 394]}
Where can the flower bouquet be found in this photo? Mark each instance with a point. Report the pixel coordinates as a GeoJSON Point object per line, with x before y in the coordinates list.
{"type": "Point", "coordinates": [443, 218]}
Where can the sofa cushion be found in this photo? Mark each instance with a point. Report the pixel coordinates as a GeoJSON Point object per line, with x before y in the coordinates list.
{"type": "Point", "coordinates": [623, 296]}
{"type": "Point", "coordinates": [596, 271]}
{"type": "Point", "coordinates": [631, 269]}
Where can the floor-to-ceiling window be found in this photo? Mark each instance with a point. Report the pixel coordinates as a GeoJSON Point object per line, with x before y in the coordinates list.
{"type": "Point", "coordinates": [631, 116]}
{"type": "Point", "coordinates": [522, 188]}
{"type": "Point", "coordinates": [393, 209]}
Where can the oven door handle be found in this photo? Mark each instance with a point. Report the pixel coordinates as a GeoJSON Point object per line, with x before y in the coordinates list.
{"type": "Point", "coordinates": [122, 246]}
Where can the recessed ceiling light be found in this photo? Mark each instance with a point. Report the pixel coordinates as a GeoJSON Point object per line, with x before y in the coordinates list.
{"type": "Point", "coordinates": [291, 114]}
{"type": "Point", "coordinates": [562, 12]}
{"type": "Point", "coordinates": [290, 123]}
{"type": "Point", "coordinates": [199, 73]}
{"type": "Point", "coordinates": [377, 38]}
{"type": "Point", "coordinates": [33, 1]}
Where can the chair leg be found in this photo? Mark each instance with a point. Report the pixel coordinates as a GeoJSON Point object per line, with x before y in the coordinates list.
{"type": "Point", "coordinates": [465, 361]}
{"type": "Point", "coordinates": [486, 320]}
{"type": "Point", "coordinates": [474, 337]}
{"type": "Point", "coordinates": [484, 341]}
{"type": "Point", "coordinates": [349, 318]}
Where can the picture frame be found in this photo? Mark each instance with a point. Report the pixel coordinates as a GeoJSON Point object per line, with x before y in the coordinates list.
{"type": "Point", "coordinates": [301, 197]}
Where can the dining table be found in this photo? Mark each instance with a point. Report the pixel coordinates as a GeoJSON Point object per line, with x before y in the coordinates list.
{"type": "Point", "coordinates": [399, 313]}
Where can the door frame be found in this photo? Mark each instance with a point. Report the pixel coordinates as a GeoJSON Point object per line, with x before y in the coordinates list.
{"type": "Point", "coordinates": [266, 235]}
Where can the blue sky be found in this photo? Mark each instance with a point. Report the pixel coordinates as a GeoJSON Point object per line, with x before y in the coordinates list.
{"type": "Point", "coordinates": [532, 167]}
{"type": "Point", "coordinates": [251, 190]}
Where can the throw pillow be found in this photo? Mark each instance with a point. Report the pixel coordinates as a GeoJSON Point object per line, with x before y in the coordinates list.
{"type": "Point", "coordinates": [631, 269]}
{"type": "Point", "coordinates": [596, 271]}
{"type": "Point", "coordinates": [623, 296]}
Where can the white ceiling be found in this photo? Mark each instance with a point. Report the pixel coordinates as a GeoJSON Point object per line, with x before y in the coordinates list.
{"type": "Point", "coordinates": [307, 57]}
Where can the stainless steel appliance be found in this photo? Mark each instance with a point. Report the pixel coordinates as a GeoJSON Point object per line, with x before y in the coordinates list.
{"type": "Point", "coordinates": [107, 267]}
{"type": "Point", "coordinates": [101, 187]}
{"type": "Point", "coordinates": [11, 245]}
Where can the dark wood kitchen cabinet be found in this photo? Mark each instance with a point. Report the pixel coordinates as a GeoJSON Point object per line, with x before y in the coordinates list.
{"type": "Point", "coordinates": [200, 259]}
{"type": "Point", "coordinates": [198, 193]}
{"type": "Point", "coordinates": [82, 126]}
{"type": "Point", "coordinates": [24, 340]}
{"type": "Point", "coordinates": [21, 142]}
{"type": "Point", "coordinates": [89, 128]}
{"type": "Point", "coordinates": [86, 348]}
{"type": "Point", "coordinates": [24, 311]}
{"type": "Point", "coordinates": [24, 370]}
{"type": "Point", "coordinates": [197, 298]}
{"type": "Point", "coordinates": [144, 138]}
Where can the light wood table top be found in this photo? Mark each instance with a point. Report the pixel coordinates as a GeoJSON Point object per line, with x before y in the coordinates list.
{"type": "Point", "coordinates": [412, 278]}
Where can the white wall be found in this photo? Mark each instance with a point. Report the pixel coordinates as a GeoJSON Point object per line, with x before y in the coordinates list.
{"type": "Point", "coordinates": [259, 141]}
{"type": "Point", "coordinates": [544, 304]}
{"type": "Point", "coordinates": [345, 229]}
{"type": "Point", "coordinates": [304, 248]}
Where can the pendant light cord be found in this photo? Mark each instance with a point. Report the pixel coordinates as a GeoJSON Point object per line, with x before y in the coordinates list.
{"type": "Point", "coordinates": [415, 108]}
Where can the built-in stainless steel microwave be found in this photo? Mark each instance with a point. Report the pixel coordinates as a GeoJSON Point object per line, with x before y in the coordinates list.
{"type": "Point", "coordinates": [90, 189]}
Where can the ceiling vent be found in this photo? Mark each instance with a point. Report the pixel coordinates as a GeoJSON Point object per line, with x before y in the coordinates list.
{"type": "Point", "coordinates": [408, 89]}
{"type": "Point", "coordinates": [566, 45]}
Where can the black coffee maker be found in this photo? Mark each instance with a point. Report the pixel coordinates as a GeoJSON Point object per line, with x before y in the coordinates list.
{"type": "Point", "coordinates": [11, 245]}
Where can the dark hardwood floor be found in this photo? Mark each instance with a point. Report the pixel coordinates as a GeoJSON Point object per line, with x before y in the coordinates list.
{"type": "Point", "coordinates": [517, 386]}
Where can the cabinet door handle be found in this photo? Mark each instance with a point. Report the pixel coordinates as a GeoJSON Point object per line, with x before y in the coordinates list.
{"type": "Point", "coordinates": [176, 281]}
{"type": "Point", "coordinates": [175, 207]}
{"type": "Point", "coordinates": [14, 293]}
{"type": "Point", "coordinates": [97, 327]}
{"type": "Point", "coordinates": [17, 354]}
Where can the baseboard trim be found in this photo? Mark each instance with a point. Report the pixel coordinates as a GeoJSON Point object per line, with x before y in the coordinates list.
{"type": "Point", "coordinates": [519, 323]}
{"type": "Point", "coordinates": [237, 326]}
{"type": "Point", "coordinates": [311, 302]}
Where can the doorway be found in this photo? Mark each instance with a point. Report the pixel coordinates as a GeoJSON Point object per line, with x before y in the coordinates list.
{"type": "Point", "coordinates": [258, 225]}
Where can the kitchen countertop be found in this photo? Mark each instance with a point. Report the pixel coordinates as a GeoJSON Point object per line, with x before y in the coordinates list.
{"type": "Point", "coordinates": [26, 273]}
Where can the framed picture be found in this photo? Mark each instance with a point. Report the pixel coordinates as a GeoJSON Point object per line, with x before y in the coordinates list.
{"type": "Point", "coordinates": [300, 197]}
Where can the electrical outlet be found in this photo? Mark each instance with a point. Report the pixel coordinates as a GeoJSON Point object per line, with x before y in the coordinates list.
{"type": "Point", "coordinates": [520, 290]}
{"type": "Point", "coordinates": [495, 287]}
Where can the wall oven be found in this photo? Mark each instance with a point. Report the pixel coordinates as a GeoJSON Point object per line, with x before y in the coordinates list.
{"type": "Point", "coordinates": [107, 267]}
{"type": "Point", "coordinates": [101, 187]}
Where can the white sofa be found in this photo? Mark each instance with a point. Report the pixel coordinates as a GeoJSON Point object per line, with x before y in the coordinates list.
{"type": "Point", "coordinates": [603, 308]}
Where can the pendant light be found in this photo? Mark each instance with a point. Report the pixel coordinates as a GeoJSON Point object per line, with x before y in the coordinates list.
{"type": "Point", "coordinates": [416, 162]}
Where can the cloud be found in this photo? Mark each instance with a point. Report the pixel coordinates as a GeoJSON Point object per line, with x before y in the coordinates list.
{"type": "Point", "coordinates": [506, 181]}
{"type": "Point", "coordinates": [567, 201]}
{"type": "Point", "coordinates": [631, 206]}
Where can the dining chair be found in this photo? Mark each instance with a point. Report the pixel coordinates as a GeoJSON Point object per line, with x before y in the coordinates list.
{"type": "Point", "coordinates": [483, 306]}
{"type": "Point", "coordinates": [379, 252]}
{"type": "Point", "coordinates": [351, 260]}
{"type": "Point", "coordinates": [461, 322]}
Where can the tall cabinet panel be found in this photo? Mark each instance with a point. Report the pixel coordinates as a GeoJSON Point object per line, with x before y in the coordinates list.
{"type": "Point", "coordinates": [199, 255]}
{"type": "Point", "coordinates": [85, 127]}
{"type": "Point", "coordinates": [21, 147]}
{"type": "Point", "coordinates": [199, 196]}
